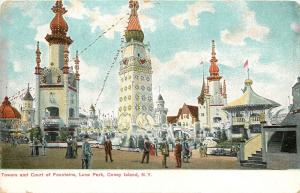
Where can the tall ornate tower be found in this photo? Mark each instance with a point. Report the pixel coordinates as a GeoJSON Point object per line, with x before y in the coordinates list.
{"type": "Point", "coordinates": [213, 97]}
{"type": "Point", "coordinates": [57, 86]}
{"type": "Point", "coordinates": [160, 111]}
{"type": "Point", "coordinates": [135, 102]}
{"type": "Point", "coordinates": [27, 112]}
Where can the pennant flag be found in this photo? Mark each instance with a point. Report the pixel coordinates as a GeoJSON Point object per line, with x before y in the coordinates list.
{"type": "Point", "coordinates": [246, 64]}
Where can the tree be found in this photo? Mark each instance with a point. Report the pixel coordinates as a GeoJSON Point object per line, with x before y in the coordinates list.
{"type": "Point", "coordinates": [35, 133]}
{"type": "Point", "coordinates": [223, 135]}
{"type": "Point", "coordinates": [63, 134]}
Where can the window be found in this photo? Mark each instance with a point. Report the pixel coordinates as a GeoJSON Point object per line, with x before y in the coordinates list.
{"type": "Point", "coordinates": [129, 87]}
{"type": "Point", "coordinates": [143, 87]}
{"type": "Point", "coordinates": [149, 88]}
{"type": "Point", "coordinates": [53, 111]}
{"type": "Point", "coordinates": [129, 107]}
{"type": "Point", "coordinates": [148, 79]}
{"type": "Point", "coordinates": [121, 99]}
{"type": "Point", "coordinates": [143, 97]}
{"type": "Point", "coordinates": [71, 112]}
{"type": "Point", "coordinates": [129, 97]}
{"type": "Point", "coordinates": [202, 114]}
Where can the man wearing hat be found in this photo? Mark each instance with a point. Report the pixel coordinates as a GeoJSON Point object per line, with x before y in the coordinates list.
{"type": "Point", "coordinates": [177, 153]}
{"type": "Point", "coordinates": [108, 148]}
{"type": "Point", "coordinates": [146, 150]}
{"type": "Point", "coordinates": [86, 153]}
{"type": "Point", "coordinates": [165, 152]}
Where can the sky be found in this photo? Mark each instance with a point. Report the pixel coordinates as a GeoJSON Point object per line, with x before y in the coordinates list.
{"type": "Point", "coordinates": [179, 33]}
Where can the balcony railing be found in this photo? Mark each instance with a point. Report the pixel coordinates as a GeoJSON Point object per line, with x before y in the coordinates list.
{"type": "Point", "coordinates": [74, 121]}
{"type": "Point", "coordinates": [238, 120]}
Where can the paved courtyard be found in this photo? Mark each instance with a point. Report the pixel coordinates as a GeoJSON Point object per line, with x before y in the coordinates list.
{"type": "Point", "coordinates": [19, 158]}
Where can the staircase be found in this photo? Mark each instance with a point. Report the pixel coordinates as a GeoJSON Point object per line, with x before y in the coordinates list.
{"type": "Point", "coordinates": [255, 161]}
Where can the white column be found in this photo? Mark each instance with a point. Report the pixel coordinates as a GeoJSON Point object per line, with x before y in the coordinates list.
{"type": "Point", "coordinates": [37, 101]}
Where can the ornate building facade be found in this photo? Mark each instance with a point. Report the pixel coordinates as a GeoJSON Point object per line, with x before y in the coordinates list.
{"type": "Point", "coordinates": [57, 86]}
{"type": "Point", "coordinates": [136, 109]}
{"type": "Point", "coordinates": [213, 98]}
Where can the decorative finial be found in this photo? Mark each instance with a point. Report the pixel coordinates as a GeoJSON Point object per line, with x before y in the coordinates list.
{"type": "Point", "coordinates": [134, 6]}
{"type": "Point", "coordinates": [224, 89]}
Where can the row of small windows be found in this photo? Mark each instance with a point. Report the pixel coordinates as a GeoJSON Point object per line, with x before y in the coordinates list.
{"type": "Point", "coordinates": [137, 97]}
{"type": "Point", "coordinates": [137, 77]}
{"type": "Point", "coordinates": [136, 87]}
{"type": "Point", "coordinates": [137, 107]}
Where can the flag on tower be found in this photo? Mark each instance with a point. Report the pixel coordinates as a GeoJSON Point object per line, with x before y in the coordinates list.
{"type": "Point", "coordinates": [246, 64]}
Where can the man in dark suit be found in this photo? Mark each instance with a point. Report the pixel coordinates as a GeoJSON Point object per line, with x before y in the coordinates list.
{"type": "Point", "coordinates": [146, 150]}
{"type": "Point", "coordinates": [108, 148]}
{"type": "Point", "coordinates": [177, 153]}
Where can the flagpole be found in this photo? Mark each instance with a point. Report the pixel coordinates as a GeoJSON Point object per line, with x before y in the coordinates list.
{"type": "Point", "coordinates": [248, 73]}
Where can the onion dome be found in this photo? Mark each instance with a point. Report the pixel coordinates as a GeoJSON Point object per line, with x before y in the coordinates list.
{"type": "Point", "coordinates": [134, 30]}
{"type": "Point", "coordinates": [28, 96]}
{"type": "Point", "coordinates": [58, 26]}
{"type": "Point", "coordinates": [7, 111]}
{"type": "Point", "coordinates": [214, 69]}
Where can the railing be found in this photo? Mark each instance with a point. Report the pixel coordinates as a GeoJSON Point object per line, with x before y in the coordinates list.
{"type": "Point", "coordinates": [256, 119]}
{"type": "Point", "coordinates": [238, 120]}
{"type": "Point", "coordinates": [51, 120]}
{"type": "Point", "coordinates": [74, 121]}
{"type": "Point", "coordinates": [250, 147]}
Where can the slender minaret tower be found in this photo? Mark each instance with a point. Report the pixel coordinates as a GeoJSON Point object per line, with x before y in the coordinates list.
{"type": "Point", "coordinates": [27, 109]}
{"type": "Point", "coordinates": [37, 85]}
{"type": "Point", "coordinates": [77, 78]}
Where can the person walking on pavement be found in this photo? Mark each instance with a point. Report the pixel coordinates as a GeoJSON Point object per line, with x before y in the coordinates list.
{"type": "Point", "coordinates": [146, 150]}
{"type": "Point", "coordinates": [165, 152]}
{"type": "Point", "coordinates": [177, 153]}
{"type": "Point", "coordinates": [108, 149]}
{"type": "Point", "coordinates": [44, 145]}
{"type": "Point", "coordinates": [86, 154]}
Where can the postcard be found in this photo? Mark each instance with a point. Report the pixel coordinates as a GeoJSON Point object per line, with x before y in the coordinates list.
{"type": "Point", "coordinates": [149, 96]}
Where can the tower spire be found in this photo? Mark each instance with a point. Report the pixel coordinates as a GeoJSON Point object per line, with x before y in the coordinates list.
{"type": "Point", "coordinates": [58, 26]}
{"type": "Point", "coordinates": [214, 69]}
{"type": "Point", "coordinates": [134, 30]}
{"type": "Point", "coordinates": [38, 59]}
